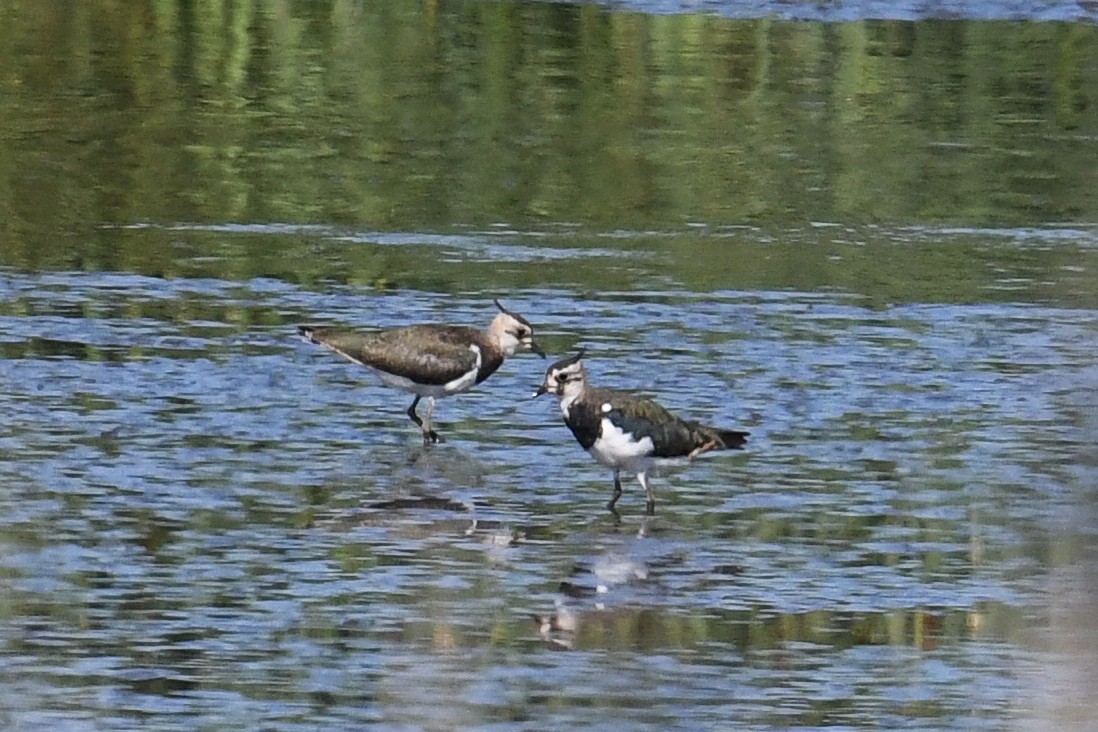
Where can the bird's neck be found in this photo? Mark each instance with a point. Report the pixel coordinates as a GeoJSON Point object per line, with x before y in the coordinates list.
{"type": "Point", "coordinates": [569, 398]}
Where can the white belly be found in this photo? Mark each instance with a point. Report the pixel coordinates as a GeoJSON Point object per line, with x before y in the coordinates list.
{"type": "Point", "coordinates": [618, 450]}
{"type": "Point", "coordinates": [459, 384]}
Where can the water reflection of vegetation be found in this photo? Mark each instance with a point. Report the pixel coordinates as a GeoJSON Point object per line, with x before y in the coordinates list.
{"type": "Point", "coordinates": [419, 116]}
{"type": "Point", "coordinates": [746, 631]}
{"type": "Point", "coordinates": [879, 267]}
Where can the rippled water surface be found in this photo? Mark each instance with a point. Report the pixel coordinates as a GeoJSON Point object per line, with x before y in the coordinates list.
{"type": "Point", "coordinates": [208, 523]}
{"type": "Point", "coordinates": [864, 232]}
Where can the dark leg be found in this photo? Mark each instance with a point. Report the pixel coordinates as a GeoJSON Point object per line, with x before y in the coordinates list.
{"type": "Point", "coordinates": [412, 413]}
{"type": "Point", "coordinates": [617, 493]}
{"type": "Point", "coordinates": [429, 435]}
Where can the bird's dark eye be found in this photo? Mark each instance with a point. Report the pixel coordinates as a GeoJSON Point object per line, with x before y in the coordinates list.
{"type": "Point", "coordinates": [562, 378]}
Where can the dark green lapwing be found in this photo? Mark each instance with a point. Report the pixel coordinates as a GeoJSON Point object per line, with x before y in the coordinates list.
{"type": "Point", "coordinates": [627, 432]}
{"type": "Point", "coordinates": [431, 360]}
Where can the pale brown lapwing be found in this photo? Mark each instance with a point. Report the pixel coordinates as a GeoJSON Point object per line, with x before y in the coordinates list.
{"type": "Point", "coordinates": [627, 432]}
{"type": "Point", "coordinates": [431, 360]}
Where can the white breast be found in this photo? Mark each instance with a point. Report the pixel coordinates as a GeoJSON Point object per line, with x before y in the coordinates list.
{"type": "Point", "coordinates": [621, 450]}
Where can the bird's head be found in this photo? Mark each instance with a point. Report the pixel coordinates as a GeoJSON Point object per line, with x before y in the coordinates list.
{"type": "Point", "coordinates": [565, 378]}
{"type": "Point", "coordinates": [512, 332]}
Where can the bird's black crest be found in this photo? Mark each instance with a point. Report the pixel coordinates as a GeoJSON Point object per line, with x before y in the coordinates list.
{"type": "Point", "coordinates": [513, 314]}
{"type": "Point", "coordinates": [565, 362]}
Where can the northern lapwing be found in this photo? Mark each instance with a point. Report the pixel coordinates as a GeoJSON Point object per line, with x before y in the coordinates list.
{"type": "Point", "coordinates": [431, 360]}
{"type": "Point", "coordinates": [627, 432]}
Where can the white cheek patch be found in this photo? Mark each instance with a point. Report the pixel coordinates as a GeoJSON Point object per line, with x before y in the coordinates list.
{"type": "Point", "coordinates": [606, 408]}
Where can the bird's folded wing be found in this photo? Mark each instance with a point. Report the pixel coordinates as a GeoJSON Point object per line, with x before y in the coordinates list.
{"type": "Point", "coordinates": [412, 353]}
{"type": "Point", "coordinates": [671, 436]}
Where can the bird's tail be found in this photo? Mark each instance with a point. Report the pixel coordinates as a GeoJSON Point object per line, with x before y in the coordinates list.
{"type": "Point", "coordinates": [732, 439]}
{"type": "Point", "coordinates": [308, 333]}
{"type": "Point", "coordinates": [716, 438]}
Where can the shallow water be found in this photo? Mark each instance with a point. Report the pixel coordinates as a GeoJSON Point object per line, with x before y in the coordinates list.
{"type": "Point", "coordinates": [871, 243]}
{"type": "Point", "coordinates": [209, 523]}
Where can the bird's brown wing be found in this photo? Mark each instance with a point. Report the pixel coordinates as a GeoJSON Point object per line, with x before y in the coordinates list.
{"type": "Point", "coordinates": [426, 354]}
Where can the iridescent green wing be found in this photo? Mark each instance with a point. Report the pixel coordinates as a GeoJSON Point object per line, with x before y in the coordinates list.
{"type": "Point", "coordinates": [643, 417]}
